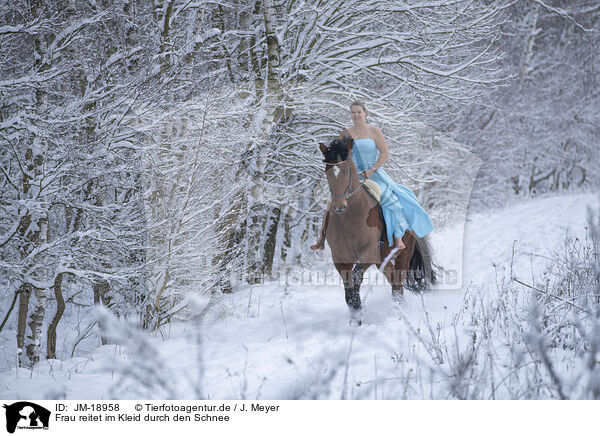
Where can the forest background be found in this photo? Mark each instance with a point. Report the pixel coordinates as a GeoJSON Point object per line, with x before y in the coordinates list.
{"type": "Point", "coordinates": [152, 150]}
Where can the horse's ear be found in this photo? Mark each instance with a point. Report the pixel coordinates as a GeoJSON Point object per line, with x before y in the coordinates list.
{"type": "Point", "coordinates": [323, 148]}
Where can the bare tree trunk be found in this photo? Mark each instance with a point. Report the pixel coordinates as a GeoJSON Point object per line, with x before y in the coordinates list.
{"type": "Point", "coordinates": [60, 310]}
{"type": "Point", "coordinates": [37, 234]}
{"type": "Point", "coordinates": [528, 49]}
{"type": "Point", "coordinates": [163, 16]}
{"type": "Point", "coordinates": [101, 297]}
{"type": "Point", "coordinates": [271, 240]}
{"type": "Point", "coordinates": [272, 43]}
{"type": "Point", "coordinates": [261, 235]}
{"type": "Point", "coordinates": [24, 295]}
{"type": "Point", "coordinates": [12, 306]}
{"type": "Point", "coordinates": [286, 246]}
{"type": "Point", "coordinates": [303, 238]}
{"type": "Point", "coordinates": [33, 343]}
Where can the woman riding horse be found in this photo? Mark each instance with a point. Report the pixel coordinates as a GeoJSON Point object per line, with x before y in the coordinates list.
{"type": "Point", "coordinates": [401, 209]}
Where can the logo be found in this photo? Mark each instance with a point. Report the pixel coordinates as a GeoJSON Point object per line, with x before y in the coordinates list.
{"type": "Point", "coordinates": [26, 415]}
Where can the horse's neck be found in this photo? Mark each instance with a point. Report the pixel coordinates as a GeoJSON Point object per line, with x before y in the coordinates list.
{"type": "Point", "coordinates": [355, 185]}
{"type": "Point", "coordinates": [354, 172]}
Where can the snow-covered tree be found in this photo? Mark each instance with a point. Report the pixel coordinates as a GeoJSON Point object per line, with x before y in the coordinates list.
{"type": "Point", "coordinates": [72, 207]}
{"type": "Point", "coordinates": [539, 132]}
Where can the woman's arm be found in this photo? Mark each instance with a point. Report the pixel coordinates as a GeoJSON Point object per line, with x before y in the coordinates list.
{"type": "Point", "coordinates": [383, 152]}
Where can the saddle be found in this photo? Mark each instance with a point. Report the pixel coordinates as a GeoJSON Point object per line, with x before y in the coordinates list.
{"type": "Point", "coordinates": [372, 189]}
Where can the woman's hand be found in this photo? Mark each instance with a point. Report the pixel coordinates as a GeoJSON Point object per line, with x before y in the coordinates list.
{"type": "Point", "coordinates": [368, 173]}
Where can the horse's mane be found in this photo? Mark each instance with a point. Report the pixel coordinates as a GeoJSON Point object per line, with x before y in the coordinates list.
{"type": "Point", "coordinates": [338, 150]}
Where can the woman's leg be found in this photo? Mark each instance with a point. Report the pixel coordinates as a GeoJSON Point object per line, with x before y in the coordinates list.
{"type": "Point", "coordinates": [395, 220]}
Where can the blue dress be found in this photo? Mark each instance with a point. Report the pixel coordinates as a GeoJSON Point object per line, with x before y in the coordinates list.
{"type": "Point", "coordinates": [401, 210]}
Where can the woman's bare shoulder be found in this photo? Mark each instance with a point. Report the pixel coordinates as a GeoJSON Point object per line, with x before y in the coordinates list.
{"type": "Point", "coordinates": [375, 132]}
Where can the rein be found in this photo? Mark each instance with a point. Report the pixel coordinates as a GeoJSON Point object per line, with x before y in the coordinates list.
{"type": "Point", "coordinates": [348, 192]}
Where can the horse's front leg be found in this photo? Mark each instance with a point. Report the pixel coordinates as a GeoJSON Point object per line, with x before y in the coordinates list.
{"type": "Point", "coordinates": [355, 304]}
{"type": "Point", "coordinates": [350, 276]}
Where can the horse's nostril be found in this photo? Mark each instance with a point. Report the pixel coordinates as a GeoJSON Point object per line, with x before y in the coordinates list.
{"type": "Point", "coordinates": [340, 210]}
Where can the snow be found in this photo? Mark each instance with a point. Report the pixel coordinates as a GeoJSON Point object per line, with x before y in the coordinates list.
{"type": "Point", "coordinates": [290, 338]}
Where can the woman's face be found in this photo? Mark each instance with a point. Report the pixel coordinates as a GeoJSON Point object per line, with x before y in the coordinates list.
{"type": "Point", "coordinates": [358, 114]}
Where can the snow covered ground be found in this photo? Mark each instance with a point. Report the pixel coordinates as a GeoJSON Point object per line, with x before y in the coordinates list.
{"type": "Point", "coordinates": [280, 341]}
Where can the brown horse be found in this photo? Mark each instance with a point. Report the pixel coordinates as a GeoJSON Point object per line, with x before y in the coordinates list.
{"type": "Point", "coordinates": [357, 237]}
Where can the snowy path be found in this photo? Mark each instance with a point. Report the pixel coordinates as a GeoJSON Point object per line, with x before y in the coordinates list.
{"type": "Point", "coordinates": [278, 341]}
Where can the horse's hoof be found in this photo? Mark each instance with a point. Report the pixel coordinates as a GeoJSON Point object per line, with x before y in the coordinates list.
{"type": "Point", "coordinates": [398, 297]}
{"type": "Point", "coordinates": [355, 322]}
{"type": "Point", "coordinates": [355, 316]}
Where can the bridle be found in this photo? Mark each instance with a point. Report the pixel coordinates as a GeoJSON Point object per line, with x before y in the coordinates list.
{"type": "Point", "coordinates": [348, 192]}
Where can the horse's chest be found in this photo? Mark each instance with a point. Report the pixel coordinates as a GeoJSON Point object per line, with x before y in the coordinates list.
{"type": "Point", "coordinates": [353, 233]}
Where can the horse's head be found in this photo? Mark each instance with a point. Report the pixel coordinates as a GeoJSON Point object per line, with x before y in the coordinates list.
{"type": "Point", "coordinates": [339, 170]}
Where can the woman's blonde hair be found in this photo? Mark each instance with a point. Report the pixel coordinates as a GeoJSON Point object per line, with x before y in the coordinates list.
{"type": "Point", "coordinates": [358, 103]}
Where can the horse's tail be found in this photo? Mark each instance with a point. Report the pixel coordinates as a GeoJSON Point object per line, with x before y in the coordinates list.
{"type": "Point", "coordinates": [422, 269]}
